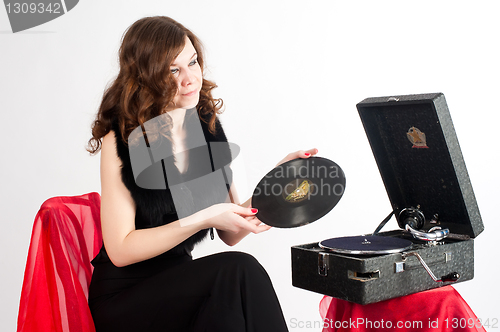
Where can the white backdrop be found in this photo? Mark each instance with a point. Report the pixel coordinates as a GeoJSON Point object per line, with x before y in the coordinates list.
{"type": "Point", "coordinates": [282, 68]}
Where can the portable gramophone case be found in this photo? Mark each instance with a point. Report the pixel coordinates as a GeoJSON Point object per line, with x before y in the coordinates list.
{"type": "Point", "coordinates": [417, 152]}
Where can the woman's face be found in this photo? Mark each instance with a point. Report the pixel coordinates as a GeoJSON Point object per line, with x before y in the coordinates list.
{"type": "Point", "coordinates": [187, 72]}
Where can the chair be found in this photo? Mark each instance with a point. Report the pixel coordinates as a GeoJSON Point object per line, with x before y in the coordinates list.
{"type": "Point", "coordinates": [66, 237]}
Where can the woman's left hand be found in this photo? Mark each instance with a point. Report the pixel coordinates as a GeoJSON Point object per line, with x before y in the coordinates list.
{"type": "Point", "coordinates": [299, 154]}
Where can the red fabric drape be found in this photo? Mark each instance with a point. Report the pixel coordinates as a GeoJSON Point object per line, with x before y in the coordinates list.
{"type": "Point", "coordinates": [66, 237]}
{"type": "Point", "coordinates": [441, 309]}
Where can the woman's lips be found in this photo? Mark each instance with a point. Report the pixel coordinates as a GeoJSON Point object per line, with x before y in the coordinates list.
{"type": "Point", "coordinates": [189, 94]}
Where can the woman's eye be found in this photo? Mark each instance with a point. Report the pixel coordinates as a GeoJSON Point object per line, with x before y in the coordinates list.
{"type": "Point", "coordinates": [192, 63]}
{"type": "Point", "coordinates": [174, 71]}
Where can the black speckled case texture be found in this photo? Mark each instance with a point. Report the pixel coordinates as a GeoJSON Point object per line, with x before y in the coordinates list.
{"type": "Point", "coordinates": [417, 152]}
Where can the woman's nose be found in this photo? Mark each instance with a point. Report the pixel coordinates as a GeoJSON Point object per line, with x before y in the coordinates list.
{"type": "Point", "coordinates": [187, 78]}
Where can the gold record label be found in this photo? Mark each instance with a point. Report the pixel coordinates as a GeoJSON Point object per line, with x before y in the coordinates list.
{"type": "Point", "coordinates": [417, 138]}
{"type": "Point", "coordinates": [294, 193]}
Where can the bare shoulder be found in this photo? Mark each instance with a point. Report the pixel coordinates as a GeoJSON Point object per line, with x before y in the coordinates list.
{"type": "Point", "coordinates": [108, 149]}
{"type": "Point", "coordinates": [109, 141]}
{"type": "Point", "coordinates": [114, 195]}
{"type": "Point", "coordinates": [110, 163]}
{"type": "Point", "coordinates": [117, 205]}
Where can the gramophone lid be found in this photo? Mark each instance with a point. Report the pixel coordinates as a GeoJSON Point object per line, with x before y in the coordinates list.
{"type": "Point", "coordinates": [417, 152]}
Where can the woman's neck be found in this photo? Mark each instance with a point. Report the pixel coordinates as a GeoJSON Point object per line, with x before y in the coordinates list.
{"type": "Point", "coordinates": [179, 138]}
{"type": "Point", "coordinates": [177, 116]}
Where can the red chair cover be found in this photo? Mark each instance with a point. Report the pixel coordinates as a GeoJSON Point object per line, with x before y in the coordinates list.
{"type": "Point", "coordinates": [66, 237]}
{"type": "Point", "coordinates": [441, 309]}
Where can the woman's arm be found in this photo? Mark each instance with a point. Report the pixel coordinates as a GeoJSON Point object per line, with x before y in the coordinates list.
{"type": "Point", "coordinates": [233, 238]}
{"type": "Point", "coordinates": [125, 244]}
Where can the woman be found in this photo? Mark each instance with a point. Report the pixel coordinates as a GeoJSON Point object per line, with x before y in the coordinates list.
{"type": "Point", "coordinates": [145, 278]}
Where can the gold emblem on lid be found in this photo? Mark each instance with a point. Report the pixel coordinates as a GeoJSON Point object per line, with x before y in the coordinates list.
{"type": "Point", "coordinates": [299, 193]}
{"type": "Point", "coordinates": [417, 138]}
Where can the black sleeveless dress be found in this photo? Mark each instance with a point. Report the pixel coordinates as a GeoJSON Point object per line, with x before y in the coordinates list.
{"type": "Point", "coordinates": [225, 292]}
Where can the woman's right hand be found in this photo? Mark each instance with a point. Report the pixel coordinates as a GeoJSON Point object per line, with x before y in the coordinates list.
{"type": "Point", "coordinates": [232, 218]}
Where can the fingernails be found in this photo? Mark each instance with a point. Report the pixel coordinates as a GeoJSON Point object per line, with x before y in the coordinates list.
{"type": "Point", "coordinates": [254, 210]}
{"type": "Point", "coordinates": [307, 154]}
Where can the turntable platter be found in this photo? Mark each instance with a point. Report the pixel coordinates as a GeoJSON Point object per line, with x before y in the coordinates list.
{"type": "Point", "coordinates": [366, 245]}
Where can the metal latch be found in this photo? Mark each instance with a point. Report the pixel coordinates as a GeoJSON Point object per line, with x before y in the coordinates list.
{"type": "Point", "coordinates": [323, 265]}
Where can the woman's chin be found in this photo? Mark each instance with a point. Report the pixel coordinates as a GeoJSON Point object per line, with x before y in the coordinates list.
{"type": "Point", "coordinates": [190, 105]}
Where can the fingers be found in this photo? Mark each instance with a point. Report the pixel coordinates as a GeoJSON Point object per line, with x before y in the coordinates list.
{"type": "Point", "coordinates": [251, 224]}
{"type": "Point", "coordinates": [310, 152]}
{"type": "Point", "coordinates": [253, 220]}
{"type": "Point", "coordinates": [261, 227]}
{"type": "Point", "coordinates": [256, 229]}
{"type": "Point", "coordinates": [299, 154]}
{"type": "Point", "coordinates": [243, 218]}
{"type": "Point", "coordinates": [243, 211]}
{"type": "Point", "coordinates": [305, 153]}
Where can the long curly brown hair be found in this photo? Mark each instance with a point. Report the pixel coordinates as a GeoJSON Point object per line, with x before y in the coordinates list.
{"type": "Point", "coordinates": [145, 86]}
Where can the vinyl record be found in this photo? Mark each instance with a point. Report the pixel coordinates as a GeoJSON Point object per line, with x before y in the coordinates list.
{"type": "Point", "coordinates": [366, 245]}
{"type": "Point", "coordinates": [298, 192]}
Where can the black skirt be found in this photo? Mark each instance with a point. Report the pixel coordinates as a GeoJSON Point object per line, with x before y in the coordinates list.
{"type": "Point", "coordinates": [229, 291]}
